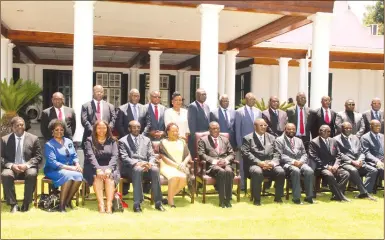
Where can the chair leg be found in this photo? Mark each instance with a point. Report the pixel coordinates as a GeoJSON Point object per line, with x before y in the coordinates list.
{"type": "Point", "coordinates": [192, 194]}
{"type": "Point", "coordinates": [239, 191]}
{"type": "Point", "coordinates": [35, 196]}
{"type": "Point", "coordinates": [42, 187]}
{"type": "Point", "coordinates": [83, 193]}
{"type": "Point", "coordinates": [152, 198]}
{"type": "Point", "coordinates": [287, 188]}
{"type": "Point", "coordinates": [196, 188]}
{"type": "Point", "coordinates": [184, 192]}
{"type": "Point", "coordinates": [77, 198]}
{"type": "Point", "coordinates": [204, 192]}
{"type": "Point", "coordinates": [121, 186]}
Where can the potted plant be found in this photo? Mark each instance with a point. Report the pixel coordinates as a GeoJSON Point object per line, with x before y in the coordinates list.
{"type": "Point", "coordinates": [262, 106]}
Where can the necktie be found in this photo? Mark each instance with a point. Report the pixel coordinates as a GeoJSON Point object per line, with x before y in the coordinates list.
{"type": "Point", "coordinates": [251, 114]}
{"type": "Point", "coordinates": [376, 115]}
{"type": "Point", "coordinates": [136, 143]}
{"type": "Point", "coordinates": [135, 113]}
{"type": "Point", "coordinates": [156, 113]}
{"type": "Point", "coordinates": [348, 141]}
{"type": "Point", "coordinates": [327, 144]}
{"type": "Point", "coordinates": [18, 159]}
{"type": "Point", "coordinates": [301, 125]}
{"type": "Point", "coordinates": [60, 117]}
{"type": "Point", "coordinates": [327, 120]}
{"type": "Point", "coordinates": [292, 143]}
{"type": "Point", "coordinates": [98, 111]}
{"type": "Point", "coordinates": [215, 143]}
{"type": "Point", "coordinates": [261, 140]}
{"type": "Point", "coordinates": [380, 143]}
{"type": "Point", "coordinates": [276, 113]}
{"type": "Point", "coordinates": [225, 113]}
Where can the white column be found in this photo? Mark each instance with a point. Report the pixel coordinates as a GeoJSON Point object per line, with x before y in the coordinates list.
{"type": "Point", "coordinates": [134, 78]}
{"type": "Point", "coordinates": [4, 58]}
{"type": "Point", "coordinates": [31, 71]}
{"type": "Point", "coordinates": [10, 61]}
{"type": "Point", "coordinates": [209, 52]}
{"type": "Point", "coordinates": [320, 57]}
{"type": "Point", "coordinates": [230, 75]}
{"type": "Point", "coordinates": [283, 78]}
{"type": "Point", "coordinates": [303, 76]}
{"type": "Point", "coordinates": [83, 59]}
{"type": "Point", "coordinates": [180, 82]}
{"type": "Point", "coordinates": [221, 74]}
{"type": "Point", "coordinates": [186, 87]}
{"type": "Point", "coordinates": [154, 69]}
{"type": "Point", "coordinates": [254, 79]}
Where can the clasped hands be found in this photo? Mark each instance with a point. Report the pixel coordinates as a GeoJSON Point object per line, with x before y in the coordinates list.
{"type": "Point", "coordinates": [144, 165]}
{"type": "Point", "coordinates": [380, 165]}
{"type": "Point", "coordinates": [357, 163]}
{"type": "Point", "coordinates": [266, 165]}
{"type": "Point", "coordinates": [297, 163]}
{"type": "Point", "coordinates": [19, 168]}
{"type": "Point", "coordinates": [221, 163]}
{"type": "Point", "coordinates": [103, 174]}
{"type": "Point", "coordinates": [332, 169]}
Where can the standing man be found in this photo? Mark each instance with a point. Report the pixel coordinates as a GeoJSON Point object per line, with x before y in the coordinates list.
{"type": "Point", "coordinates": [97, 109]}
{"type": "Point", "coordinates": [155, 128]}
{"type": "Point", "coordinates": [225, 117]}
{"type": "Point", "coordinates": [20, 158]}
{"type": "Point", "coordinates": [132, 110]}
{"type": "Point", "coordinates": [374, 113]}
{"type": "Point", "coordinates": [198, 115]}
{"type": "Point", "coordinates": [219, 155]}
{"type": "Point", "coordinates": [322, 116]}
{"type": "Point", "coordinates": [299, 116]}
{"type": "Point", "coordinates": [291, 153]}
{"type": "Point", "coordinates": [275, 118]}
{"type": "Point", "coordinates": [60, 112]}
{"type": "Point", "coordinates": [355, 119]}
{"type": "Point", "coordinates": [244, 125]}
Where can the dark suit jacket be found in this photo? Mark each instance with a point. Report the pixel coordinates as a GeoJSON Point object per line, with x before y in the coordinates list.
{"type": "Point", "coordinates": [358, 126]}
{"type": "Point", "coordinates": [371, 148]}
{"type": "Point", "coordinates": [151, 123]}
{"type": "Point", "coordinates": [49, 114]}
{"type": "Point", "coordinates": [320, 154]}
{"type": "Point", "coordinates": [88, 116]}
{"type": "Point", "coordinates": [227, 127]}
{"type": "Point", "coordinates": [243, 123]}
{"type": "Point", "coordinates": [368, 116]}
{"type": "Point", "coordinates": [285, 155]}
{"type": "Point", "coordinates": [317, 119]}
{"type": "Point", "coordinates": [198, 118]}
{"type": "Point", "coordinates": [31, 150]}
{"type": "Point", "coordinates": [207, 152]}
{"type": "Point", "coordinates": [292, 117]}
{"type": "Point", "coordinates": [125, 116]}
{"type": "Point", "coordinates": [349, 152]}
{"type": "Point", "coordinates": [282, 120]}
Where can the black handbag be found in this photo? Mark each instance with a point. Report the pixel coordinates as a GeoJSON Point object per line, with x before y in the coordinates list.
{"type": "Point", "coordinates": [49, 202]}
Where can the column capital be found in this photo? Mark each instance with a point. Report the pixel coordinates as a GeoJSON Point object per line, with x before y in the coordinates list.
{"type": "Point", "coordinates": [253, 66]}
{"type": "Point", "coordinates": [11, 45]}
{"type": "Point", "coordinates": [210, 8]}
{"type": "Point", "coordinates": [233, 52]}
{"type": "Point", "coordinates": [302, 60]}
{"type": "Point", "coordinates": [30, 64]}
{"type": "Point", "coordinates": [321, 16]}
{"type": "Point", "coordinates": [284, 59]}
{"type": "Point", "coordinates": [84, 3]}
{"type": "Point", "coordinates": [133, 69]}
{"type": "Point", "coordinates": [155, 53]}
{"type": "Point", "coordinates": [181, 71]}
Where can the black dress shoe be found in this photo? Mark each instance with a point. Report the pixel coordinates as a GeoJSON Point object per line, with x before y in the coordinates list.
{"type": "Point", "coordinates": [257, 203]}
{"type": "Point", "coordinates": [24, 208]}
{"type": "Point", "coordinates": [160, 208]}
{"type": "Point", "coordinates": [228, 204]}
{"type": "Point", "coordinates": [309, 200]}
{"type": "Point", "coordinates": [137, 209]}
{"type": "Point", "coordinates": [14, 208]}
{"type": "Point", "coordinates": [173, 206]}
{"type": "Point", "coordinates": [297, 201]}
{"type": "Point", "coordinates": [278, 200]}
{"type": "Point", "coordinates": [62, 209]}
{"type": "Point", "coordinates": [346, 199]}
{"type": "Point", "coordinates": [365, 195]}
{"type": "Point", "coordinates": [164, 201]}
{"type": "Point", "coordinates": [222, 205]}
{"type": "Point", "coordinates": [334, 198]}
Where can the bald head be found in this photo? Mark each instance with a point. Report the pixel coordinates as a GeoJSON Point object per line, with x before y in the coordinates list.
{"type": "Point", "coordinates": [260, 126]}
{"type": "Point", "coordinates": [376, 104]}
{"type": "Point", "coordinates": [98, 92]}
{"type": "Point", "coordinates": [134, 96]}
{"type": "Point", "coordinates": [301, 99]}
{"type": "Point", "coordinates": [274, 102]}
{"type": "Point", "coordinates": [250, 99]}
{"type": "Point", "coordinates": [57, 99]}
{"type": "Point", "coordinates": [325, 102]}
{"type": "Point", "coordinates": [200, 95]}
{"type": "Point", "coordinates": [375, 126]}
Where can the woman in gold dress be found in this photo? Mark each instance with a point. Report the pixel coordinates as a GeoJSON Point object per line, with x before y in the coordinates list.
{"type": "Point", "coordinates": [174, 158]}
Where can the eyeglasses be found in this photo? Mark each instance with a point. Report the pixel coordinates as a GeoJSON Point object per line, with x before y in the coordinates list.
{"type": "Point", "coordinates": [351, 104]}
{"type": "Point", "coordinates": [156, 96]}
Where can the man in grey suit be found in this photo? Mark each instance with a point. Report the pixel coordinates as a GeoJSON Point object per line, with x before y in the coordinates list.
{"type": "Point", "coordinates": [96, 109]}
{"type": "Point", "coordinates": [275, 118]}
{"type": "Point", "coordinates": [258, 151]}
{"type": "Point", "coordinates": [291, 153]}
{"type": "Point", "coordinates": [155, 128]}
{"type": "Point", "coordinates": [132, 110]}
{"type": "Point", "coordinates": [60, 112]}
{"type": "Point", "coordinates": [299, 115]}
{"type": "Point", "coordinates": [353, 161]}
{"type": "Point", "coordinates": [374, 113]}
{"type": "Point", "coordinates": [373, 147]}
{"type": "Point", "coordinates": [244, 125]}
{"type": "Point", "coordinates": [198, 116]}
{"type": "Point", "coordinates": [225, 117]}
{"type": "Point", "coordinates": [20, 159]}
{"type": "Point", "coordinates": [137, 162]}
{"type": "Point", "coordinates": [355, 119]}
{"type": "Point", "coordinates": [219, 155]}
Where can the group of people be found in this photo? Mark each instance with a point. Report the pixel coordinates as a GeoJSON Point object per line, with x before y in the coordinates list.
{"type": "Point", "coordinates": [271, 143]}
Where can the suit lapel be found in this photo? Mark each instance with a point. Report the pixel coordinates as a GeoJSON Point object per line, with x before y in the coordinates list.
{"type": "Point", "coordinates": [93, 111]}
{"type": "Point", "coordinates": [212, 145]}
{"type": "Point", "coordinates": [256, 140]}
{"type": "Point", "coordinates": [12, 146]}
{"type": "Point", "coordinates": [131, 143]}
{"type": "Point", "coordinates": [53, 113]}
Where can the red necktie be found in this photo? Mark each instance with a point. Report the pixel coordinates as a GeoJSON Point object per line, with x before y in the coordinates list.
{"type": "Point", "coordinates": [327, 120]}
{"type": "Point", "coordinates": [156, 113]}
{"type": "Point", "coordinates": [60, 117]}
{"type": "Point", "coordinates": [98, 111]}
{"type": "Point", "coordinates": [301, 125]}
{"type": "Point", "coordinates": [292, 143]}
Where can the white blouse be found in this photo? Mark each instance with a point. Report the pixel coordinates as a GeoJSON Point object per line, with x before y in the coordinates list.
{"type": "Point", "coordinates": [170, 115]}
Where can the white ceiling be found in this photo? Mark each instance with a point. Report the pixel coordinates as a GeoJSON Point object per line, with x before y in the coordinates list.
{"type": "Point", "coordinates": [130, 20]}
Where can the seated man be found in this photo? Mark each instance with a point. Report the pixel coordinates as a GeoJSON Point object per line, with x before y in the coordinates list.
{"type": "Point", "coordinates": [373, 147]}
{"type": "Point", "coordinates": [353, 161]}
{"type": "Point", "coordinates": [218, 153]}
{"type": "Point", "coordinates": [257, 148]}
{"type": "Point", "coordinates": [138, 162]}
{"type": "Point", "coordinates": [20, 158]}
{"type": "Point", "coordinates": [291, 153]}
{"type": "Point", "coordinates": [324, 151]}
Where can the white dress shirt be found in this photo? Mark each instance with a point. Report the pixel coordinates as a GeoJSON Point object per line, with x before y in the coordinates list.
{"type": "Point", "coordinates": [101, 107]}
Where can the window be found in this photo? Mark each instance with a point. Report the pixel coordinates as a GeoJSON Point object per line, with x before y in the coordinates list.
{"type": "Point", "coordinates": [111, 83]}
{"type": "Point", "coordinates": [164, 85]}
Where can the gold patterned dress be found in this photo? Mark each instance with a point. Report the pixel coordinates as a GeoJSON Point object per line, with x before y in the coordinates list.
{"type": "Point", "coordinates": [176, 151]}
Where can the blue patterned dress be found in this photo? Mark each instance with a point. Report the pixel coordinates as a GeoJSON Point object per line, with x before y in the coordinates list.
{"type": "Point", "coordinates": [56, 156]}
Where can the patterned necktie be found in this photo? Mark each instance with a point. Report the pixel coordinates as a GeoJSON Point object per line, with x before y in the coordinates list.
{"type": "Point", "coordinates": [327, 120]}
{"type": "Point", "coordinates": [156, 113]}
{"type": "Point", "coordinates": [376, 115]}
{"type": "Point", "coordinates": [251, 114]}
{"type": "Point", "coordinates": [18, 159]}
{"type": "Point", "coordinates": [261, 140]}
{"type": "Point", "coordinates": [301, 122]}
{"type": "Point", "coordinates": [60, 117]}
{"type": "Point", "coordinates": [98, 111]}
{"type": "Point", "coordinates": [136, 143]}
{"type": "Point", "coordinates": [348, 141]}
{"type": "Point", "coordinates": [225, 114]}
{"type": "Point", "coordinates": [292, 143]}
{"type": "Point", "coordinates": [135, 113]}
{"type": "Point", "coordinates": [327, 144]}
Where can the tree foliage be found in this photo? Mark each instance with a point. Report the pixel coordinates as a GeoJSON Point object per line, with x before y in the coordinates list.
{"type": "Point", "coordinates": [375, 15]}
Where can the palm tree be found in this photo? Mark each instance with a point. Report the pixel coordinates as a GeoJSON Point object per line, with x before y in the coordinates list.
{"type": "Point", "coordinates": [261, 105]}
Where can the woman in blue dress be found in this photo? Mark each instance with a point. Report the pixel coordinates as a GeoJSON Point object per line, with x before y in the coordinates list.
{"type": "Point", "coordinates": [62, 164]}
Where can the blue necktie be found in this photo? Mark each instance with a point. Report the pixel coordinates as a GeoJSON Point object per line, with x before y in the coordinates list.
{"type": "Point", "coordinates": [376, 115]}
{"type": "Point", "coordinates": [380, 143]}
{"type": "Point", "coordinates": [135, 113]}
{"type": "Point", "coordinates": [251, 114]}
{"type": "Point", "coordinates": [225, 113]}
{"type": "Point", "coordinates": [18, 159]}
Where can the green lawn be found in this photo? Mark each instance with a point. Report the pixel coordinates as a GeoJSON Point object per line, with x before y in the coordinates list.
{"type": "Point", "coordinates": [359, 219]}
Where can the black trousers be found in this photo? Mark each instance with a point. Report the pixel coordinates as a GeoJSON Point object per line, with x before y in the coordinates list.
{"type": "Point", "coordinates": [224, 180]}
{"type": "Point", "coordinates": [8, 177]}
{"type": "Point", "coordinates": [257, 175]}
{"type": "Point", "coordinates": [337, 182]}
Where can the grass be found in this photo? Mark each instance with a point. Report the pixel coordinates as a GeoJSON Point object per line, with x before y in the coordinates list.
{"type": "Point", "coordinates": [359, 219]}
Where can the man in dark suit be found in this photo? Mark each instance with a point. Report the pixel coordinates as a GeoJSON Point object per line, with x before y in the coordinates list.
{"type": "Point", "coordinates": [198, 116]}
{"type": "Point", "coordinates": [97, 109]}
{"type": "Point", "coordinates": [225, 117]}
{"type": "Point", "coordinates": [275, 118]}
{"type": "Point", "coordinates": [322, 116]}
{"type": "Point", "coordinates": [299, 116]}
{"type": "Point", "coordinates": [258, 150]}
{"type": "Point", "coordinates": [355, 119]}
{"type": "Point", "coordinates": [132, 110]}
{"type": "Point", "coordinates": [218, 153]}
{"type": "Point", "coordinates": [60, 112]}
{"type": "Point", "coordinates": [353, 161]}
{"type": "Point", "coordinates": [291, 153]}
{"type": "Point", "coordinates": [20, 158]}
{"type": "Point", "coordinates": [155, 128]}
{"type": "Point", "coordinates": [374, 113]}
{"type": "Point", "coordinates": [373, 147]}
{"type": "Point", "coordinates": [137, 162]}
{"type": "Point", "coordinates": [244, 125]}
{"type": "Point", "coordinates": [327, 156]}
